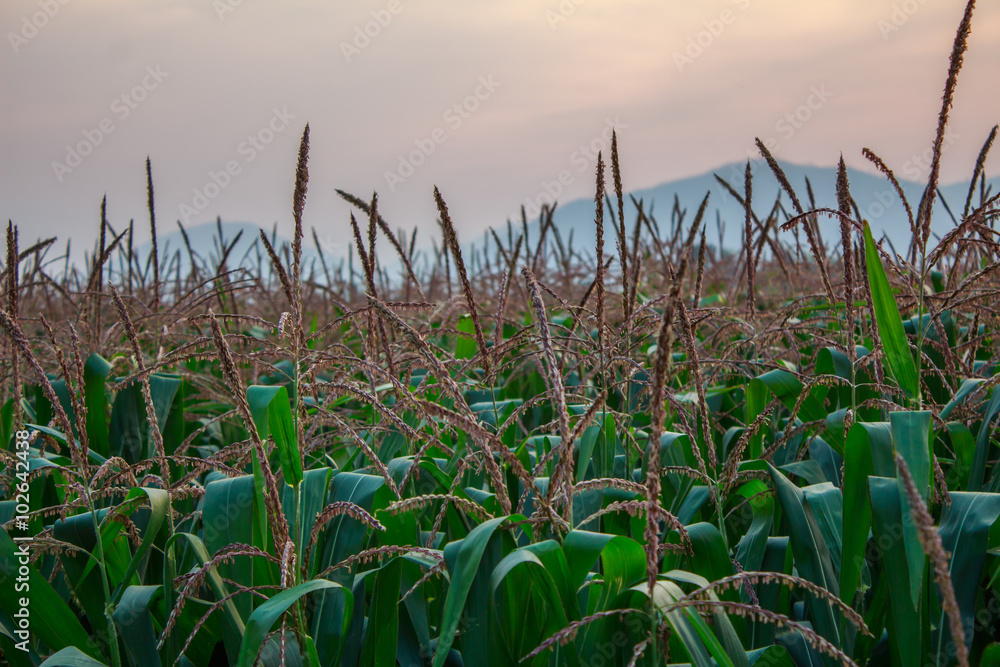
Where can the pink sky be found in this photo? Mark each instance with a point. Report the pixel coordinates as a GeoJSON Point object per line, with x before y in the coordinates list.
{"type": "Point", "coordinates": [489, 100]}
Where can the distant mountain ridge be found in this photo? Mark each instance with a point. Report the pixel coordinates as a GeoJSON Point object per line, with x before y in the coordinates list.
{"type": "Point", "coordinates": [209, 239]}
{"type": "Point", "coordinates": [204, 240]}
{"type": "Point", "coordinates": [875, 196]}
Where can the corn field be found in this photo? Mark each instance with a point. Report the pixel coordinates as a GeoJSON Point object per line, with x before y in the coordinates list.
{"type": "Point", "coordinates": [538, 452]}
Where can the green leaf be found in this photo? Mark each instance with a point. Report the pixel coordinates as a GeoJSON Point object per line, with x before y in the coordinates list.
{"type": "Point", "coordinates": [676, 449]}
{"type": "Point", "coordinates": [466, 555]}
{"type": "Point", "coordinates": [711, 558]}
{"type": "Point", "coordinates": [58, 436]}
{"type": "Point", "coordinates": [603, 460]}
{"type": "Point", "coordinates": [52, 620]}
{"type": "Point", "coordinates": [968, 386]}
{"type": "Point", "coordinates": [159, 503]}
{"type": "Point", "coordinates": [495, 413]}
{"type": "Point", "coordinates": [788, 388]}
{"type": "Point", "coordinates": [889, 524]}
{"type": "Point", "coordinates": [622, 564]}
{"type": "Point", "coordinates": [756, 400]}
{"type": "Point", "coordinates": [465, 345]}
{"type": "Point", "coordinates": [383, 618]}
{"type": "Point", "coordinates": [750, 550]}
{"type": "Point", "coordinates": [702, 646]}
{"type": "Point", "coordinates": [553, 558]}
{"type": "Point", "coordinates": [71, 657]}
{"type": "Point", "coordinates": [79, 565]}
{"type": "Point", "coordinates": [991, 656]}
{"type": "Point", "coordinates": [229, 516]}
{"type": "Point", "coordinates": [812, 557]}
{"type": "Point", "coordinates": [825, 504]}
{"type": "Point", "coordinates": [233, 626]}
{"type": "Point", "coordinates": [772, 656]}
{"type": "Point", "coordinates": [773, 597]}
{"type": "Point", "coordinates": [623, 561]}
{"type": "Point", "coordinates": [135, 624]}
{"type": "Point", "coordinates": [14, 655]}
{"type": "Point", "coordinates": [95, 374]}
{"type": "Point", "coordinates": [342, 537]}
{"type": "Point", "coordinates": [272, 415]}
{"type": "Point", "coordinates": [128, 431]}
{"type": "Point", "coordinates": [526, 600]}
{"type": "Point", "coordinates": [264, 617]}
{"type": "Point", "coordinates": [965, 530]}
{"type": "Point", "coordinates": [163, 389]}
{"type": "Point", "coordinates": [963, 443]}
{"type": "Point", "coordinates": [607, 447]}
{"type": "Point", "coordinates": [723, 622]}
{"type": "Point", "coordinates": [978, 472]}
{"type": "Point", "coordinates": [312, 493]}
{"type": "Point", "coordinates": [911, 439]}
{"type": "Point", "coordinates": [858, 467]}
{"type": "Point", "coordinates": [7, 423]}
{"type": "Point", "coordinates": [889, 322]}
{"type": "Point", "coordinates": [414, 636]}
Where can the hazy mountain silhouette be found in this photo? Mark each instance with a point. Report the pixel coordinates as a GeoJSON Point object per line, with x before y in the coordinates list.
{"type": "Point", "coordinates": [208, 246]}
{"type": "Point", "coordinates": [209, 240]}
{"type": "Point", "coordinates": [874, 195]}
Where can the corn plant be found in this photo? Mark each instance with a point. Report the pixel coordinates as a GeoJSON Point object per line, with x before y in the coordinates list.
{"type": "Point", "coordinates": [528, 453]}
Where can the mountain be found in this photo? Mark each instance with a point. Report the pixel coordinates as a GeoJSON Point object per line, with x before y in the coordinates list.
{"type": "Point", "coordinates": [207, 241]}
{"type": "Point", "coordinates": [875, 196]}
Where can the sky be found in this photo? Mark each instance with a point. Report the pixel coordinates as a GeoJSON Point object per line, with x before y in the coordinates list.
{"type": "Point", "coordinates": [499, 103]}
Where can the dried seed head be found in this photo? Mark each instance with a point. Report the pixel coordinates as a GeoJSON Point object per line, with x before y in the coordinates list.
{"type": "Point", "coordinates": [283, 325]}
{"type": "Point", "coordinates": [288, 564]}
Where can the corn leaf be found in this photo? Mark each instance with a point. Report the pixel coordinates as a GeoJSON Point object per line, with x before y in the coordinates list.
{"type": "Point", "coordinates": [889, 322]}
